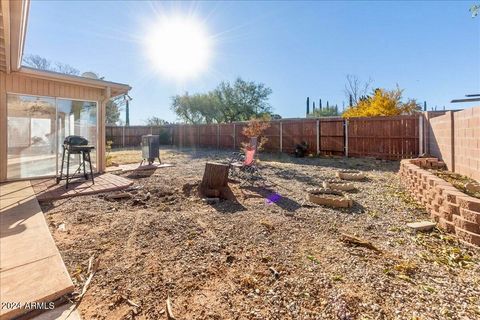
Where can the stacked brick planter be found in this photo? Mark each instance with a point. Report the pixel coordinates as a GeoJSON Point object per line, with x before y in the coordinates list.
{"type": "Point", "coordinates": [453, 210]}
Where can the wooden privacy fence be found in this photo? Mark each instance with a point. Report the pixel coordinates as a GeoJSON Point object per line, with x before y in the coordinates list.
{"type": "Point", "coordinates": [131, 136]}
{"type": "Point", "coordinates": [384, 137]}
{"type": "Point", "coordinates": [380, 137]}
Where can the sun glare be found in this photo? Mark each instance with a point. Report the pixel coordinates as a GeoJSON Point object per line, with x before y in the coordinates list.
{"type": "Point", "coordinates": [179, 47]}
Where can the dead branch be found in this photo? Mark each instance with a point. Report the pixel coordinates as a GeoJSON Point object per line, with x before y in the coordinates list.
{"type": "Point", "coordinates": [351, 240]}
{"type": "Point", "coordinates": [170, 315]}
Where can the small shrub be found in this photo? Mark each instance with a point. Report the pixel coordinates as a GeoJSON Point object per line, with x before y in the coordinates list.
{"type": "Point", "coordinates": [255, 128]}
{"type": "Point", "coordinates": [108, 149]}
{"type": "Point", "coordinates": [165, 136]}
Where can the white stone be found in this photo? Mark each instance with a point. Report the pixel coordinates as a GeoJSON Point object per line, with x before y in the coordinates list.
{"type": "Point", "coordinates": [422, 225]}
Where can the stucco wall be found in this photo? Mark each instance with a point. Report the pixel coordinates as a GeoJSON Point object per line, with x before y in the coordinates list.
{"type": "Point", "coordinates": [24, 84]}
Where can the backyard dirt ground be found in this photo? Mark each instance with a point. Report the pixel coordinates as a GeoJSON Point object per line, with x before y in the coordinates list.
{"type": "Point", "coordinates": [253, 259]}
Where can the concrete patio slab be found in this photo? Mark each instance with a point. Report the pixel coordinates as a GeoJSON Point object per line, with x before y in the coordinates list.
{"type": "Point", "coordinates": [31, 268]}
{"type": "Point", "coordinates": [63, 312]}
{"type": "Point", "coordinates": [47, 189]}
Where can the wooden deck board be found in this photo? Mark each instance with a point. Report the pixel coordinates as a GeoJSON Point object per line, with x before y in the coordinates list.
{"type": "Point", "coordinates": [47, 189]}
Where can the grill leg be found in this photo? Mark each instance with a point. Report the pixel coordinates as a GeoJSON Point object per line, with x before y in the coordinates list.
{"type": "Point", "coordinates": [90, 164]}
{"type": "Point", "coordinates": [61, 168]}
{"type": "Point", "coordinates": [68, 167]}
{"type": "Point", "coordinates": [83, 164]}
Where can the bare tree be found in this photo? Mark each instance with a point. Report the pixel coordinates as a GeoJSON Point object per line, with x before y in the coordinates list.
{"type": "Point", "coordinates": [66, 69]}
{"type": "Point", "coordinates": [38, 62]}
{"type": "Point", "coordinates": [155, 121]}
{"type": "Point", "coordinates": [114, 106]}
{"type": "Point", "coordinates": [355, 88]}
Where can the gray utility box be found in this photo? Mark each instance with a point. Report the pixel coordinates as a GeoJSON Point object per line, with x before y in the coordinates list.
{"type": "Point", "coordinates": [150, 148]}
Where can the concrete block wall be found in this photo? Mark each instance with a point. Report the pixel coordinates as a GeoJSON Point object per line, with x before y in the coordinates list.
{"type": "Point", "coordinates": [467, 142]}
{"type": "Point", "coordinates": [455, 138]}
{"type": "Point", "coordinates": [454, 211]}
{"type": "Point", "coordinates": [440, 139]}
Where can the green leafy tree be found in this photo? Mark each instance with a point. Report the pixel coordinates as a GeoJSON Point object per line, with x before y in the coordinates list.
{"type": "Point", "coordinates": [228, 102]}
{"type": "Point", "coordinates": [474, 10]}
{"type": "Point", "coordinates": [242, 100]}
{"type": "Point", "coordinates": [112, 113]}
{"type": "Point", "coordinates": [324, 112]}
{"type": "Point", "coordinates": [187, 109]}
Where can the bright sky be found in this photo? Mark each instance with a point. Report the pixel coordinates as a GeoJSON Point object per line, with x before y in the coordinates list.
{"type": "Point", "coordinates": [299, 49]}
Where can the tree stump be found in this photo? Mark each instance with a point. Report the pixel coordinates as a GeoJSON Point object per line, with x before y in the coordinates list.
{"type": "Point", "coordinates": [215, 179]}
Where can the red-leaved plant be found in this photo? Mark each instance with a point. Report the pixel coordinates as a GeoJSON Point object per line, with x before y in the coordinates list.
{"type": "Point", "coordinates": [255, 128]}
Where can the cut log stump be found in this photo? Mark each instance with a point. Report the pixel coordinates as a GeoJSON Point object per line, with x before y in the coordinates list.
{"type": "Point", "coordinates": [215, 179]}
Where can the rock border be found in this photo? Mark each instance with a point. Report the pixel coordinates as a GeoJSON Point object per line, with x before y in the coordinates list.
{"type": "Point", "coordinates": [327, 197]}
{"type": "Point", "coordinates": [338, 185]}
{"type": "Point", "coordinates": [352, 175]}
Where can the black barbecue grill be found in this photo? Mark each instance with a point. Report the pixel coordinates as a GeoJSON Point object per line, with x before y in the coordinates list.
{"type": "Point", "coordinates": [76, 145]}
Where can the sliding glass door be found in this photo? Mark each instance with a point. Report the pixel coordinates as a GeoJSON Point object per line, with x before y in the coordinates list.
{"type": "Point", "coordinates": [31, 136]}
{"type": "Point", "coordinates": [37, 127]}
{"type": "Point", "coordinates": [77, 118]}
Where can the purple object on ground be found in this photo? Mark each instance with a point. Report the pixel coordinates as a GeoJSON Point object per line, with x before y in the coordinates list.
{"type": "Point", "coordinates": [273, 198]}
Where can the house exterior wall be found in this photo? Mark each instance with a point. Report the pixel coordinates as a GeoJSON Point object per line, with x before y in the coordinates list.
{"type": "Point", "coordinates": [24, 84]}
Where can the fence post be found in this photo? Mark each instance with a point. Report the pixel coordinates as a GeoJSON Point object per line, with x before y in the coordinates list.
{"type": "Point", "coordinates": [218, 136]}
{"type": "Point", "coordinates": [123, 137]}
{"type": "Point", "coordinates": [452, 137]}
{"type": "Point", "coordinates": [281, 136]}
{"type": "Point", "coordinates": [420, 135]}
{"type": "Point", "coordinates": [183, 135]}
{"type": "Point", "coordinates": [234, 136]}
{"type": "Point", "coordinates": [318, 136]}
{"type": "Point", "coordinates": [198, 135]}
{"type": "Point", "coordinates": [346, 138]}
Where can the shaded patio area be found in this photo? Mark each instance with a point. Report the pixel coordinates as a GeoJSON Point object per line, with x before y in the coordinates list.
{"type": "Point", "coordinates": [31, 268]}
{"type": "Point", "coordinates": [47, 189]}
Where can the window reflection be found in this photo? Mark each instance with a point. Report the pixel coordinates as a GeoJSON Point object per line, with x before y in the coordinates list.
{"type": "Point", "coordinates": [37, 127]}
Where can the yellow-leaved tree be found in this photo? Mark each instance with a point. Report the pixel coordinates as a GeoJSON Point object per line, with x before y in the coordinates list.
{"type": "Point", "coordinates": [383, 103]}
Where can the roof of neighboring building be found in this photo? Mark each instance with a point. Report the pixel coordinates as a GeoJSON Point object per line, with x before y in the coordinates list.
{"type": "Point", "coordinates": [469, 98]}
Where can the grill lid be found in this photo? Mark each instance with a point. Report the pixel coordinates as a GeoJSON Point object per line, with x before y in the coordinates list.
{"type": "Point", "coordinates": [75, 141]}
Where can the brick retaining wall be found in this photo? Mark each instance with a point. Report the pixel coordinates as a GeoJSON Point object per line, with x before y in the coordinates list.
{"type": "Point", "coordinates": [453, 210]}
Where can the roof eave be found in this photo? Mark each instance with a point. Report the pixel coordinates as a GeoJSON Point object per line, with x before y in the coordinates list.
{"type": "Point", "coordinates": [115, 87]}
{"type": "Point", "coordinates": [17, 31]}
